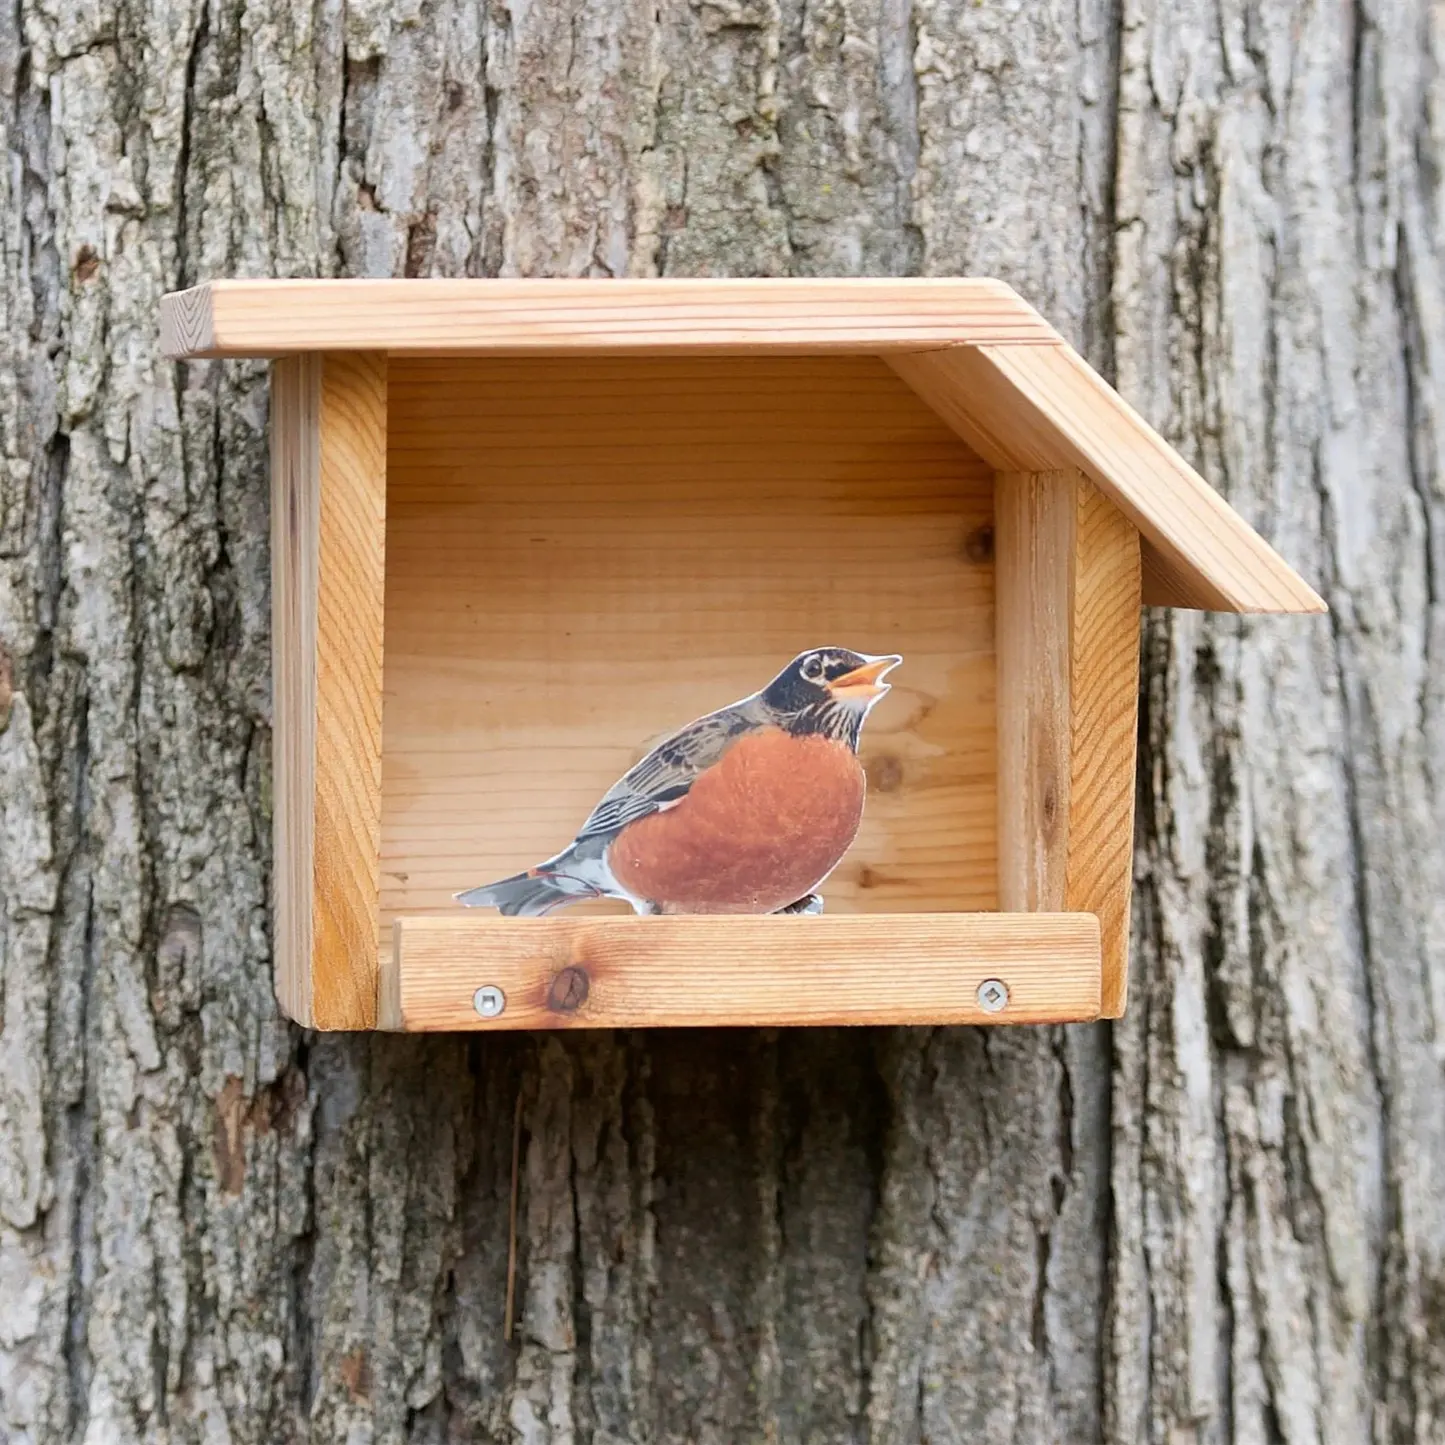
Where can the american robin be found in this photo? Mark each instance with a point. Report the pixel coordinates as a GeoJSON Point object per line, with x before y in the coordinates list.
{"type": "Point", "coordinates": [746, 810]}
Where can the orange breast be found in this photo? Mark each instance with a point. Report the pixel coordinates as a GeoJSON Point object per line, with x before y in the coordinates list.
{"type": "Point", "coordinates": [758, 830]}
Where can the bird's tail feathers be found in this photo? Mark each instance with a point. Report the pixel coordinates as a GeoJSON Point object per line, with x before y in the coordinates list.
{"type": "Point", "coordinates": [528, 895]}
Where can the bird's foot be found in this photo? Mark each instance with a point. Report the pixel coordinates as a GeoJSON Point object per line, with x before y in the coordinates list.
{"type": "Point", "coordinates": [811, 904]}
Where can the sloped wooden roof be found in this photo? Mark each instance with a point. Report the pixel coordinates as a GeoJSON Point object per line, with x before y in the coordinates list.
{"type": "Point", "coordinates": [996, 372]}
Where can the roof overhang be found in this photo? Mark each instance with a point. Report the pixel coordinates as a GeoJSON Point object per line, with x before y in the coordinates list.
{"type": "Point", "coordinates": [991, 367]}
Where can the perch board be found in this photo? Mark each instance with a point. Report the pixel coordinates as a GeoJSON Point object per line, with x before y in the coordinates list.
{"type": "Point", "coordinates": [655, 972]}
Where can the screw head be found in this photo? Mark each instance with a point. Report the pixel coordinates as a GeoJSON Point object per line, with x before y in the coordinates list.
{"type": "Point", "coordinates": [992, 995]}
{"type": "Point", "coordinates": [489, 1001]}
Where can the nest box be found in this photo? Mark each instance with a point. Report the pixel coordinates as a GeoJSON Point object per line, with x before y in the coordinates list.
{"type": "Point", "coordinates": [522, 528]}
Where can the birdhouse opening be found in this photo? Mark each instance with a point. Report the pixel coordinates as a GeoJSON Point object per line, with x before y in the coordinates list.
{"type": "Point", "coordinates": [540, 566]}
{"type": "Point", "coordinates": [583, 554]}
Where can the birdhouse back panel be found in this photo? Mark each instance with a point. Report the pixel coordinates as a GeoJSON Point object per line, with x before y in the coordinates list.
{"type": "Point", "coordinates": [585, 552]}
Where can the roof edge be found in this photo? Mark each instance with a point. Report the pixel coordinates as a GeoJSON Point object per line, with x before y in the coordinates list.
{"type": "Point", "coordinates": [187, 324]}
{"type": "Point", "coordinates": [1042, 408]}
{"type": "Point", "coordinates": [511, 316]}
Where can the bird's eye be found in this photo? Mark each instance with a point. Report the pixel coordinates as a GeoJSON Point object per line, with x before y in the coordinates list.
{"type": "Point", "coordinates": [813, 669]}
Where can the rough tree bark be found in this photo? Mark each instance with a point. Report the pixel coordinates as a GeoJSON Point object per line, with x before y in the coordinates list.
{"type": "Point", "coordinates": [1222, 1220]}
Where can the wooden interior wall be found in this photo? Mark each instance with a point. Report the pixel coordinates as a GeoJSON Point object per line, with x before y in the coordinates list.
{"type": "Point", "coordinates": [585, 554]}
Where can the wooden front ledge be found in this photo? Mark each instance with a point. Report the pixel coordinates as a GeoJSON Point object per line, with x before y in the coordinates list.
{"type": "Point", "coordinates": [915, 968]}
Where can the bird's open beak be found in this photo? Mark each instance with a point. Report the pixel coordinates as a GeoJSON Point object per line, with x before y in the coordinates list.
{"type": "Point", "coordinates": [864, 683]}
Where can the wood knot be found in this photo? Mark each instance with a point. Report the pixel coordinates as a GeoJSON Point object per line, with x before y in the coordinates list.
{"type": "Point", "coordinates": [569, 990]}
{"type": "Point", "coordinates": [978, 544]}
{"type": "Point", "coordinates": [885, 773]}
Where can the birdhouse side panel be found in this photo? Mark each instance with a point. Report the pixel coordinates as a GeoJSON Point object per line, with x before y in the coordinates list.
{"type": "Point", "coordinates": [328, 584]}
{"type": "Point", "coordinates": [1068, 587]}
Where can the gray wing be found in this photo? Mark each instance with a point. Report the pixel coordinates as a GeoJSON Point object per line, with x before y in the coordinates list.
{"type": "Point", "coordinates": [670, 769]}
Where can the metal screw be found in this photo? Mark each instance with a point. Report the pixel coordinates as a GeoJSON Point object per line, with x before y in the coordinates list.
{"type": "Point", "coordinates": [992, 995]}
{"type": "Point", "coordinates": [489, 1001]}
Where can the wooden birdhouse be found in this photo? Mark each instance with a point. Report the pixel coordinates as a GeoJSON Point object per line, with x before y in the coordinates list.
{"type": "Point", "coordinates": [521, 529]}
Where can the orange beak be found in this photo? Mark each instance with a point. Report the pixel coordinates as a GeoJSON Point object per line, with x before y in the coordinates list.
{"type": "Point", "coordinates": [864, 683]}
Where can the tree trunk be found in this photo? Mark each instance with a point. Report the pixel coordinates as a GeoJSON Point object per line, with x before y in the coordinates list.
{"type": "Point", "coordinates": [1220, 1220]}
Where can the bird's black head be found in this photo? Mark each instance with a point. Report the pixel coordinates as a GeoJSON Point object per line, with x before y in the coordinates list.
{"type": "Point", "coordinates": [829, 690]}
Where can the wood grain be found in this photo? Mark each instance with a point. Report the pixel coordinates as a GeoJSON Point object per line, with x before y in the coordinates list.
{"type": "Point", "coordinates": [1042, 408]}
{"type": "Point", "coordinates": [679, 972]}
{"type": "Point", "coordinates": [328, 561]}
{"type": "Point", "coordinates": [274, 318]}
{"type": "Point", "coordinates": [585, 554]}
{"type": "Point", "coordinates": [1034, 552]}
{"type": "Point", "coordinates": [1068, 585]}
{"type": "Point", "coordinates": [1103, 729]}
{"type": "Point", "coordinates": [295, 506]}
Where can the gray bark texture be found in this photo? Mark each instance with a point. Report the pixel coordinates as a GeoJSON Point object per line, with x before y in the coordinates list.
{"type": "Point", "coordinates": [1220, 1221]}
